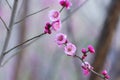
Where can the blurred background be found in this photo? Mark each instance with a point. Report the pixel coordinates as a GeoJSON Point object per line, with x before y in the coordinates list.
{"type": "Point", "coordinates": [93, 22]}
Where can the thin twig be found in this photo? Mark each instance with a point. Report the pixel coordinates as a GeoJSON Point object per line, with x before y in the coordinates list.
{"type": "Point", "coordinates": [18, 51]}
{"type": "Point", "coordinates": [73, 11]}
{"type": "Point", "coordinates": [5, 25]}
{"type": "Point", "coordinates": [38, 36]}
{"type": "Point", "coordinates": [9, 4]}
{"type": "Point", "coordinates": [31, 15]}
{"type": "Point", "coordinates": [2, 65]}
{"type": "Point", "coordinates": [100, 75]}
{"type": "Point", "coordinates": [10, 29]}
{"type": "Point", "coordinates": [61, 9]}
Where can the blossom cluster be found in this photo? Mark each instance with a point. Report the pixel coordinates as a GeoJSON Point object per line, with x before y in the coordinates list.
{"type": "Point", "coordinates": [54, 17]}
{"type": "Point", "coordinates": [105, 74]}
{"type": "Point", "coordinates": [69, 48]}
{"type": "Point", "coordinates": [85, 51]}
{"type": "Point", "coordinates": [86, 67]}
{"type": "Point", "coordinates": [62, 41]}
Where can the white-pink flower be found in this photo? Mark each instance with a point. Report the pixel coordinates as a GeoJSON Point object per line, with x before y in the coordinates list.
{"type": "Point", "coordinates": [56, 25]}
{"type": "Point", "coordinates": [54, 15]}
{"type": "Point", "coordinates": [70, 49]}
{"type": "Point", "coordinates": [61, 38]}
{"type": "Point", "coordinates": [85, 67]}
{"type": "Point", "coordinates": [65, 3]}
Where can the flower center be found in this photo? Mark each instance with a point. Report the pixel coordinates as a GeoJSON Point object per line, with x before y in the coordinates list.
{"type": "Point", "coordinates": [60, 38]}
{"type": "Point", "coordinates": [69, 49]}
{"type": "Point", "coordinates": [55, 15]}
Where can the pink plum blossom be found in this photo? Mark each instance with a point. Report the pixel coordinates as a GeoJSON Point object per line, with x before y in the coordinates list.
{"type": "Point", "coordinates": [56, 25]}
{"type": "Point", "coordinates": [85, 72]}
{"type": "Point", "coordinates": [70, 49]}
{"type": "Point", "coordinates": [91, 49]}
{"type": "Point", "coordinates": [61, 38]}
{"type": "Point", "coordinates": [65, 3]}
{"type": "Point", "coordinates": [86, 66]}
{"type": "Point", "coordinates": [54, 15]}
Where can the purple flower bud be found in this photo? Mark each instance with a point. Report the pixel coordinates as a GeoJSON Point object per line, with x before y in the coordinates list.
{"type": "Point", "coordinates": [91, 49]}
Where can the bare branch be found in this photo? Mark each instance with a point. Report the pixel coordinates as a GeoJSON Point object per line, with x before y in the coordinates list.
{"type": "Point", "coordinates": [9, 4]}
{"type": "Point", "coordinates": [38, 36]}
{"type": "Point", "coordinates": [31, 15]}
{"type": "Point", "coordinates": [73, 11]}
{"type": "Point", "coordinates": [5, 25]}
{"type": "Point", "coordinates": [10, 29]}
{"type": "Point", "coordinates": [16, 53]}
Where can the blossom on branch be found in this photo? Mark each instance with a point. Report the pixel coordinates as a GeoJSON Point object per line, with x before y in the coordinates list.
{"type": "Point", "coordinates": [65, 3]}
{"type": "Point", "coordinates": [91, 49]}
{"type": "Point", "coordinates": [56, 25]}
{"type": "Point", "coordinates": [86, 68]}
{"type": "Point", "coordinates": [84, 51]}
{"type": "Point", "coordinates": [54, 15]}
{"type": "Point", "coordinates": [60, 38]}
{"type": "Point", "coordinates": [70, 49]}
